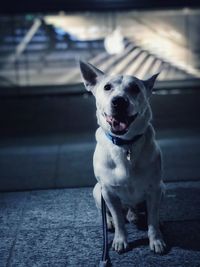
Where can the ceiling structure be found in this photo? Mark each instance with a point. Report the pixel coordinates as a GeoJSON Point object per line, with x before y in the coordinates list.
{"type": "Point", "coordinates": [172, 35]}
{"type": "Point", "coordinates": [47, 6]}
{"type": "Point", "coordinates": [44, 49]}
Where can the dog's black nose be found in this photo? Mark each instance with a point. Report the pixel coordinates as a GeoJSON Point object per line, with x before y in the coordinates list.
{"type": "Point", "coordinates": [120, 102]}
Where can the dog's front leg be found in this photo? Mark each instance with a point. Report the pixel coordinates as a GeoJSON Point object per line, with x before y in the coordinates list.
{"type": "Point", "coordinates": [114, 205]}
{"type": "Point", "coordinates": [156, 241]}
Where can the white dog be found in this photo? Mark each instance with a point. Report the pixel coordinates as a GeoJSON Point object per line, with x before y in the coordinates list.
{"type": "Point", "coordinates": [127, 159]}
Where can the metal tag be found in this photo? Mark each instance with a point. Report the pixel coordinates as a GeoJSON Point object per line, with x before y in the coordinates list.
{"type": "Point", "coordinates": [128, 155]}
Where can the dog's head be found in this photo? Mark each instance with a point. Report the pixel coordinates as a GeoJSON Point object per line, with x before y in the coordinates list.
{"type": "Point", "coordinates": [122, 101]}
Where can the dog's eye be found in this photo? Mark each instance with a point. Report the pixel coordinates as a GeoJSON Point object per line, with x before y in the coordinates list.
{"type": "Point", "coordinates": [107, 87]}
{"type": "Point", "coordinates": [135, 89]}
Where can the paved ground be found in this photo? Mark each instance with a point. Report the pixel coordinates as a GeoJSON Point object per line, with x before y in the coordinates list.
{"type": "Point", "coordinates": [62, 228]}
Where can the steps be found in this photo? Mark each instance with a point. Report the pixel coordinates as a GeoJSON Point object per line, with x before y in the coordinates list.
{"type": "Point", "coordinates": [37, 164]}
{"type": "Point", "coordinates": [48, 141]}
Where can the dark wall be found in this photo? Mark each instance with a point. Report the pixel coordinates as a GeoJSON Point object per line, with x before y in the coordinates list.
{"type": "Point", "coordinates": [42, 115]}
{"type": "Point", "coordinates": [48, 141]}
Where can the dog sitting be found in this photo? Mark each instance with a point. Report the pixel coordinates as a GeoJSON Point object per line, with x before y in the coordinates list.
{"type": "Point", "coordinates": [127, 159]}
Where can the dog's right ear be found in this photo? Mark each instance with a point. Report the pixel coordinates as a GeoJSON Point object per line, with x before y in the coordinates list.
{"type": "Point", "coordinates": [90, 74]}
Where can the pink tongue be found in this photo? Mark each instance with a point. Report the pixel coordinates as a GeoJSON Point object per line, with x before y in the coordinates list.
{"type": "Point", "coordinates": [118, 126]}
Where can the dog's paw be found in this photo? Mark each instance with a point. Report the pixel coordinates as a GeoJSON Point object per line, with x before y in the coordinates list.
{"type": "Point", "coordinates": [157, 245]}
{"type": "Point", "coordinates": [119, 244]}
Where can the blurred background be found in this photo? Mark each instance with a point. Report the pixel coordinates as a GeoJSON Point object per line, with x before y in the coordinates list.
{"type": "Point", "coordinates": [48, 122]}
{"type": "Point", "coordinates": [47, 118]}
{"type": "Point", "coordinates": [39, 50]}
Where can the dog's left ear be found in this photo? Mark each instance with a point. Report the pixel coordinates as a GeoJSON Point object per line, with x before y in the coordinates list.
{"type": "Point", "coordinates": [149, 83]}
{"type": "Point", "coordinates": [90, 74]}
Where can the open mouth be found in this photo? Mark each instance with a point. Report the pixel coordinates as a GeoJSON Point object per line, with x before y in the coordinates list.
{"type": "Point", "coordinates": [120, 125]}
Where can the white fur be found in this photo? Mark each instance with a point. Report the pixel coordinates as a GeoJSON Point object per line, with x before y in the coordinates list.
{"type": "Point", "coordinates": [124, 182]}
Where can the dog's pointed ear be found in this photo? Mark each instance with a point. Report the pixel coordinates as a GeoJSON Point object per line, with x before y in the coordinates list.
{"type": "Point", "coordinates": [149, 84]}
{"type": "Point", "coordinates": [90, 74]}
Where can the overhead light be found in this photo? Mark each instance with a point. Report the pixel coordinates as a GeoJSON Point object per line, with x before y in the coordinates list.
{"type": "Point", "coordinates": [114, 43]}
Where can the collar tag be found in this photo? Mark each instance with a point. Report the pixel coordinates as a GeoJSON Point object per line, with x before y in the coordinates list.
{"type": "Point", "coordinates": [128, 155]}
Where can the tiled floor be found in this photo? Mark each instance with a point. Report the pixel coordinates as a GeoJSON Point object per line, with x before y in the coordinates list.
{"type": "Point", "coordinates": [63, 228]}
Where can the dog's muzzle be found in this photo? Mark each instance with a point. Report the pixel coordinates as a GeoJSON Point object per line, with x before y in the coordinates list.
{"type": "Point", "coordinates": [120, 104]}
{"type": "Point", "coordinates": [119, 121]}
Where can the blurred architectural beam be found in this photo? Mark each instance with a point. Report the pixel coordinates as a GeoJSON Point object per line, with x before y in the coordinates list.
{"type": "Point", "coordinates": [119, 68]}
{"type": "Point", "coordinates": [74, 74]}
{"type": "Point", "coordinates": [146, 68]}
{"type": "Point", "coordinates": [114, 60]}
{"type": "Point", "coordinates": [25, 41]}
{"type": "Point", "coordinates": [136, 64]}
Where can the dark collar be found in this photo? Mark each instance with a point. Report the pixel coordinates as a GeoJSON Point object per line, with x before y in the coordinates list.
{"type": "Point", "coordinates": [120, 142]}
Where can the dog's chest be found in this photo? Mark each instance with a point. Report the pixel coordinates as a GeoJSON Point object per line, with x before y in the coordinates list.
{"type": "Point", "coordinates": [124, 169]}
{"type": "Point", "coordinates": [123, 163]}
{"type": "Point", "coordinates": [128, 177]}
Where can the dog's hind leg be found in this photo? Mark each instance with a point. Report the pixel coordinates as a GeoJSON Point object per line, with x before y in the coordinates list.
{"type": "Point", "coordinates": [97, 198]}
